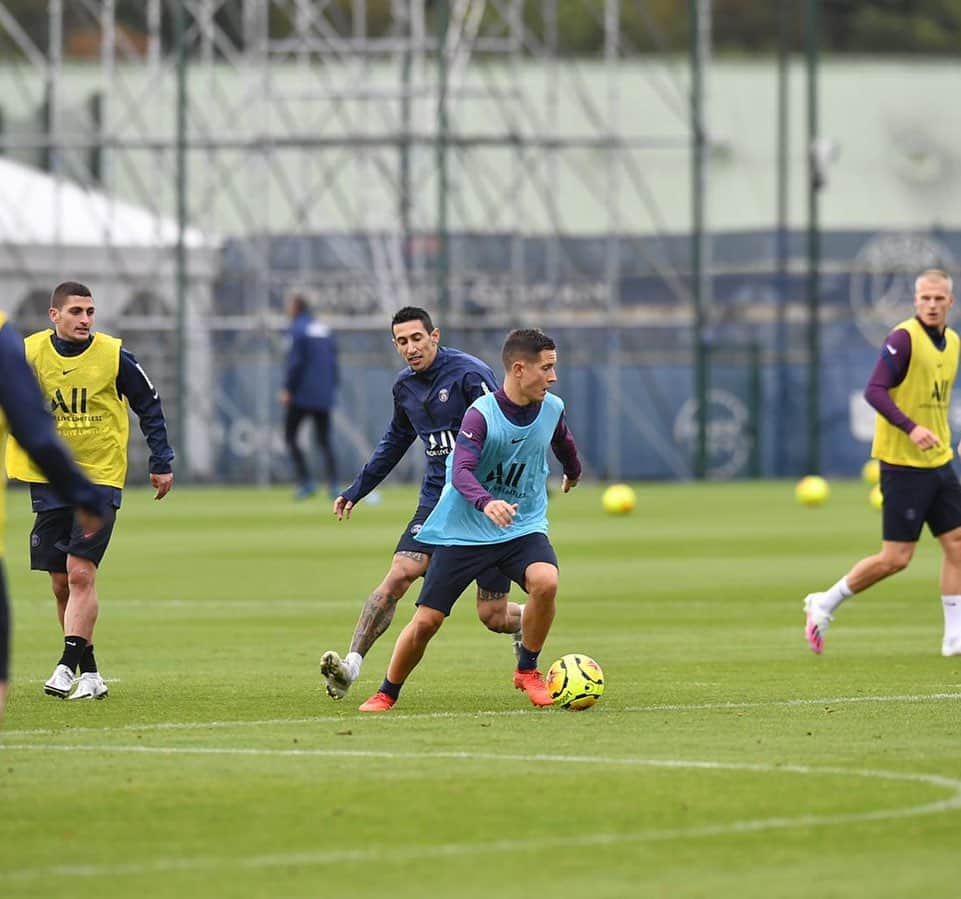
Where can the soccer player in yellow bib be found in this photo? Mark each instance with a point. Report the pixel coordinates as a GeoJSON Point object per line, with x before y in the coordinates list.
{"type": "Point", "coordinates": [911, 390]}
{"type": "Point", "coordinates": [22, 414]}
{"type": "Point", "coordinates": [87, 380]}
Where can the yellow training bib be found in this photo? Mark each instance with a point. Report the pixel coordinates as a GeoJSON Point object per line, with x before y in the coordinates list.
{"type": "Point", "coordinates": [91, 417]}
{"type": "Point", "coordinates": [924, 395]}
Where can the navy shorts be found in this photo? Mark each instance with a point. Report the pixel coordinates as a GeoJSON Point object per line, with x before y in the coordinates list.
{"type": "Point", "coordinates": [56, 535]}
{"type": "Point", "coordinates": [913, 496]}
{"type": "Point", "coordinates": [492, 580]}
{"type": "Point", "coordinates": [4, 629]}
{"type": "Point", "coordinates": [452, 568]}
{"type": "Point", "coordinates": [408, 542]}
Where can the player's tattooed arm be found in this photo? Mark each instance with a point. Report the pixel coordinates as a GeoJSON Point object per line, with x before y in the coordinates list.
{"type": "Point", "coordinates": [375, 618]}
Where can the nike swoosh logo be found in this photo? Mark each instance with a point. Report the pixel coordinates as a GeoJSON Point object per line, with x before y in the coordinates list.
{"type": "Point", "coordinates": [891, 349]}
{"type": "Point", "coordinates": [67, 371]}
{"type": "Point", "coordinates": [518, 439]}
{"type": "Point", "coordinates": [468, 435]}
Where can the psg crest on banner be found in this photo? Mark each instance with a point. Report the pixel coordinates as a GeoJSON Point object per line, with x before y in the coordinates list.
{"type": "Point", "coordinates": [882, 279]}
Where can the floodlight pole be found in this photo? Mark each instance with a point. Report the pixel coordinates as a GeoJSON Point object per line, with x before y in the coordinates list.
{"type": "Point", "coordinates": [814, 244]}
{"type": "Point", "coordinates": [443, 129]}
{"type": "Point", "coordinates": [781, 278]}
{"type": "Point", "coordinates": [180, 38]}
{"type": "Point", "coordinates": [699, 12]}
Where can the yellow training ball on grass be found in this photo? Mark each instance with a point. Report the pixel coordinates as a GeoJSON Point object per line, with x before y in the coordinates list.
{"type": "Point", "coordinates": [575, 682]}
{"type": "Point", "coordinates": [812, 490]}
{"type": "Point", "coordinates": [618, 499]}
{"type": "Point", "coordinates": [876, 497]}
{"type": "Point", "coordinates": [871, 472]}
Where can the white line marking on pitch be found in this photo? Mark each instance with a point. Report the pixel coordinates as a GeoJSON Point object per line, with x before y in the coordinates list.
{"type": "Point", "coordinates": [405, 854]}
{"type": "Point", "coordinates": [394, 716]}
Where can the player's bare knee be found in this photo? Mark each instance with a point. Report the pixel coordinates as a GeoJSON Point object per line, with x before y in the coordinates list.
{"type": "Point", "coordinates": [425, 623]}
{"type": "Point", "coordinates": [895, 562]}
{"type": "Point", "coordinates": [541, 581]}
{"type": "Point", "coordinates": [404, 570]}
{"type": "Point", "coordinates": [81, 578]}
{"type": "Point", "coordinates": [493, 618]}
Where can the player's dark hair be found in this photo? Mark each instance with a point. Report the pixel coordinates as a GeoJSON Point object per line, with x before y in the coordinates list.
{"type": "Point", "coordinates": [62, 292]}
{"type": "Point", "coordinates": [526, 344]}
{"type": "Point", "coordinates": [412, 314]}
{"type": "Point", "coordinates": [299, 304]}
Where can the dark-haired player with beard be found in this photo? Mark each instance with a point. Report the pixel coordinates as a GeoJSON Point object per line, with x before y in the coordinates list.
{"type": "Point", "coordinates": [431, 395]}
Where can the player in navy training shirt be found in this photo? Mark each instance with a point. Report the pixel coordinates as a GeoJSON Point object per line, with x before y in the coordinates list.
{"type": "Point", "coordinates": [431, 396]}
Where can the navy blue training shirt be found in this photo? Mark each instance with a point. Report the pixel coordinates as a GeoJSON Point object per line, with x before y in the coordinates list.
{"type": "Point", "coordinates": [429, 405]}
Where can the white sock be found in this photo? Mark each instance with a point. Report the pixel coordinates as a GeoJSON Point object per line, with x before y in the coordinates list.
{"type": "Point", "coordinates": [353, 661]}
{"type": "Point", "coordinates": [952, 617]}
{"type": "Point", "coordinates": [522, 604]}
{"type": "Point", "coordinates": [834, 596]}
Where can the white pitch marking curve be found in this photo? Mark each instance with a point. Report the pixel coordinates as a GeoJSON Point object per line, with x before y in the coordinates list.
{"type": "Point", "coordinates": [405, 854]}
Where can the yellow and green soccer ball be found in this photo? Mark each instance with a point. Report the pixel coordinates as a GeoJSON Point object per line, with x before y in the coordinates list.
{"type": "Point", "coordinates": [619, 499]}
{"type": "Point", "coordinates": [575, 682]}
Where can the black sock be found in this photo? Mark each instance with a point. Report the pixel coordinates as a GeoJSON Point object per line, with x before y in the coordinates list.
{"type": "Point", "coordinates": [87, 661]}
{"type": "Point", "coordinates": [73, 649]}
{"type": "Point", "coordinates": [527, 660]}
{"type": "Point", "coordinates": [392, 690]}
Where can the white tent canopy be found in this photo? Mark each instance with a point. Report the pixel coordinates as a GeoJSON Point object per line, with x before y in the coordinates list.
{"type": "Point", "coordinates": [53, 230]}
{"type": "Point", "coordinates": [39, 208]}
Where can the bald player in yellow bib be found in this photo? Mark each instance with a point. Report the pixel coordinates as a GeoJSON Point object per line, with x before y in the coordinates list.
{"type": "Point", "coordinates": [88, 381]}
{"type": "Point", "coordinates": [910, 388]}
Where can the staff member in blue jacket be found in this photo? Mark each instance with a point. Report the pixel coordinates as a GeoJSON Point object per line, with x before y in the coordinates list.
{"type": "Point", "coordinates": [22, 414]}
{"type": "Point", "coordinates": [310, 387]}
{"type": "Point", "coordinates": [431, 395]}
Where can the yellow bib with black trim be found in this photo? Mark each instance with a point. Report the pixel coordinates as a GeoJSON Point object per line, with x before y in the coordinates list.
{"type": "Point", "coordinates": [3, 480]}
{"type": "Point", "coordinates": [924, 395]}
{"type": "Point", "coordinates": [91, 417]}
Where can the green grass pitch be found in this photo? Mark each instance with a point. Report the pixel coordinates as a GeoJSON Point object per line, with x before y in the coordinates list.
{"type": "Point", "coordinates": [725, 759]}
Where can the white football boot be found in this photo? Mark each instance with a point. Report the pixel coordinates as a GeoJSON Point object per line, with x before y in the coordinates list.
{"type": "Point", "coordinates": [816, 622]}
{"type": "Point", "coordinates": [339, 676]}
{"type": "Point", "coordinates": [60, 682]}
{"type": "Point", "coordinates": [90, 685]}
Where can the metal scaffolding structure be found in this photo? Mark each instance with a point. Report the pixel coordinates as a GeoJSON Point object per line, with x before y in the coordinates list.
{"type": "Point", "coordinates": [351, 153]}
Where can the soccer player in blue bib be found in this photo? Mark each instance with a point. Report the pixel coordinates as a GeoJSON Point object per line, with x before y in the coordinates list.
{"type": "Point", "coordinates": [910, 388]}
{"type": "Point", "coordinates": [492, 514]}
{"type": "Point", "coordinates": [431, 396]}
